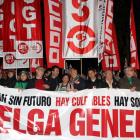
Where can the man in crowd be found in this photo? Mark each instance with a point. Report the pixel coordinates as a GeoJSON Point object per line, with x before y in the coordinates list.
{"type": "Point", "coordinates": [53, 79]}
{"type": "Point", "coordinates": [77, 81]}
{"type": "Point", "coordinates": [47, 73]}
{"type": "Point", "coordinates": [39, 82]}
{"type": "Point", "coordinates": [130, 81]}
{"type": "Point", "coordinates": [2, 80]}
{"type": "Point", "coordinates": [109, 81]}
{"type": "Point", "coordinates": [93, 81]}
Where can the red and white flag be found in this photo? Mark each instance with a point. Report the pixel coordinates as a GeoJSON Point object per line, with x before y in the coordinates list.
{"type": "Point", "coordinates": [9, 47]}
{"type": "Point", "coordinates": [112, 62]}
{"type": "Point", "coordinates": [134, 62]}
{"type": "Point", "coordinates": [53, 32]}
{"type": "Point", "coordinates": [35, 63]}
{"type": "Point", "coordinates": [108, 27]}
{"type": "Point", "coordinates": [1, 26]}
{"type": "Point", "coordinates": [29, 29]}
{"type": "Point", "coordinates": [80, 28]}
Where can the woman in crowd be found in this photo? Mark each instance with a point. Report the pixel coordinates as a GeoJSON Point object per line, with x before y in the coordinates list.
{"type": "Point", "coordinates": [65, 85]}
{"type": "Point", "coordinates": [11, 79]}
{"type": "Point", "coordinates": [22, 83]}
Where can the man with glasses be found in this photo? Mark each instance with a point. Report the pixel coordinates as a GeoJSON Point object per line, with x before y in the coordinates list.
{"type": "Point", "coordinates": [130, 81]}
{"type": "Point", "coordinates": [39, 82]}
{"type": "Point", "coordinates": [109, 81]}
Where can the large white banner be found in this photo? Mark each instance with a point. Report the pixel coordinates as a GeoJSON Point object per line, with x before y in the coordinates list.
{"type": "Point", "coordinates": [80, 28]}
{"type": "Point", "coordinates": [99, 114]}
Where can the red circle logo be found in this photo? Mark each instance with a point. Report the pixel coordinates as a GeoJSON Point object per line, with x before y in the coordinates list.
{"type": "Point", "coordinates": [23, 48]}
{"type": "Point", "coordinates": [81, 39]}
{"type": "Point", "coordinates": [9, 58]}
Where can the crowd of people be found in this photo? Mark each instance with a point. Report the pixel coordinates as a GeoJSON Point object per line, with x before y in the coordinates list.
{"type": "Point", "coordinates": [49, 80]}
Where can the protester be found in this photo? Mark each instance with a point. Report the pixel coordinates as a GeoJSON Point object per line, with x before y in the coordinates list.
{"type": "Point", "coordinates": [39, 82]}
{"type": "Point", "coordinates": [18, 77]}
{"type": "Point", "coordinates": [93, 81]}
{"type": "Point", "coordinates": [109, 81]}
{"type": "Point", "coordinates": [47, 73]}
{"type": "Point", "coordinates": [11, 79]}
{"type": "Point", "coordinates": [53, 79]}
{"type": "Point", "coordinates": [65, 85]}
{"type": "Point", "coordinates": [130, 81]}
{"type": "Point", "coordinates": [22, 83]}
{"type": "Point", "coordinates": [2, 80]}
{"type": "Point", "coordinates": [77, 81]}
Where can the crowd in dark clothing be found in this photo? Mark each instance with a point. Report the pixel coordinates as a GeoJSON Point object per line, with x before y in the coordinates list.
{"type": "Point", "coordinates": [51, 81]}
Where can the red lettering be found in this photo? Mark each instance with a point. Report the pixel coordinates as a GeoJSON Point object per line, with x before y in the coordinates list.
{"type": "Point", "coordinates": [81, 124]}
{"type": "Point", "coordinates": [53, 115]}
{"type": "Point", "coordinates": [85, 11]}
{"type": "Point", "coordinates": [16, 121]}
{"type": "Point", "coordinates": [91, 122]}
{"type": "Point", "coordinates": [4, 118]}
{"type": "Point", "coordinates": [138, 124]}
{"type": "Point", "coordinates": [124, 123]}
{"type": "Point", "coordinates": [113, 126]}
{"type": "Point", "coordinates": [38, 125]}
{"type": "Point", "coordinates": [73, 101]}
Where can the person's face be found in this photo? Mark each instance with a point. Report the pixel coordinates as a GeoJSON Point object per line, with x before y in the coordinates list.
{"type": "Point", "coordinates": [109, 75]}
{"type": "Point", "coordinates": [40, 72]}
{"type": "Point", "coordinates": [72, 72]}
{"type": "Point", "coordinates": [65, 79]}
{"type": "Point", "coordinates": [130, 72]}
{"type": "Point", "coordinates": [23, 77]}
{"type": "Point", "coordinates": [10, 74]}
{"type": "Point", "coordinates": [55, 72]}
{"type": "Point", "coordinates": [91, 74]}
{"type": "Point", "coordinates": [18, 78]}
{"type": "Point", "coordinates": [47, 74]}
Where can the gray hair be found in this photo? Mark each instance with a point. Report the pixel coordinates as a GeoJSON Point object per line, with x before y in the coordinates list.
{"type": "Point", "coordinates": [127, 69]}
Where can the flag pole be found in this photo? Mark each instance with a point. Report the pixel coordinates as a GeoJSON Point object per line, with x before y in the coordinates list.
{"type": "Point", "coordinates": [81, 67]}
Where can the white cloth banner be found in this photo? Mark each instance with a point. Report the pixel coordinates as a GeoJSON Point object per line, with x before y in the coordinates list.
{"type": "Point", "coordinates": [88, 114]}
{"type": "Point", "coordinates": [80, 28]}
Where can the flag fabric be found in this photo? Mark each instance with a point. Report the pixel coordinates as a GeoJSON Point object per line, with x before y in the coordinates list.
{"type": "Point", "coordinates": [1, 26]}
{"type": "Point", "coordinates": [80, 29]}
{"type": "Point", "coordinates": [102, 4]}
{"type": "Point", "coordinates": [108, 28]}
{"type": "Point", "coordinates": [28, 29]}
{"type": "Point", "coordinates": [134, 62]}
{"type": "Point", "coordinates": [9, 34]}
{"type": "Point", "coordinates": [53, 32]}
{"type": "Point", "coordinates": [112, 62]}
{"type": "Point", "coordinates": [35, 63]}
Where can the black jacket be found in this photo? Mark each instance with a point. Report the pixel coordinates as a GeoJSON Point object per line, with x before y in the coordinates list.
{"type": "Point", "coordinates": [115, 83]}
{"type": "Point", "coordinates": [78, 83]}
{"type": "Point", "coordinates": [53, 82]}
{"type": "Point", "coordinates": [97, 83]}
{"type": "Point", "coordinates": [10, 82]}
{"type": "Point", "coordinates": [31, 83]}
{"type": "Point", "coordinates": [2, 81]}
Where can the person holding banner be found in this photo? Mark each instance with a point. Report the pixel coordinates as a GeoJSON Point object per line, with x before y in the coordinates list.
{"type": "Point", "coordinates": [11, 79]}
{"type": "Point", "coordinates": [93, 81]}
{"type": "Point", "coordinates": [130, 81]}
{"type": "Point", "coordinates": [22, 83]}
{"type": "Point", "coordinates": [77, 81]}
{"type": "Point", "coordinates": [65, 85]}
{"type": "Point", "coordinates": [109, 81]}
{"type": "Point", "coordinates": [2, 80]}
{"type": "Point", "coordinates": [53, 79]}
{"type": "Point", "coordinates": [39, 82]}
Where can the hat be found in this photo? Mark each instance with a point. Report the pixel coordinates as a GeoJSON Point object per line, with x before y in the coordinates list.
{"type": "Point", "coordinates": [11, 70]}
{"type": "Point", "coordinates": [23, 72]}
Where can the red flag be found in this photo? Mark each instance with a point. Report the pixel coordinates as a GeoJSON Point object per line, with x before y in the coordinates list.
{"type": "Point", "coordinates": [35, 63]}
{"type": "Point", "coordinates": [29, 29]}
{"type": "Point", "coordinates": [1, 26]}
{"type": "Point", "coordinates": [53, 33]}
{"type": "Point", "coordinates": [134, 62]}
{"type": "Point", "coordinates": [9, 49]}
{"type": "Point", "coordinates": [108, 28]}
{"type": "Point", "coordinates": [114, 60]}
